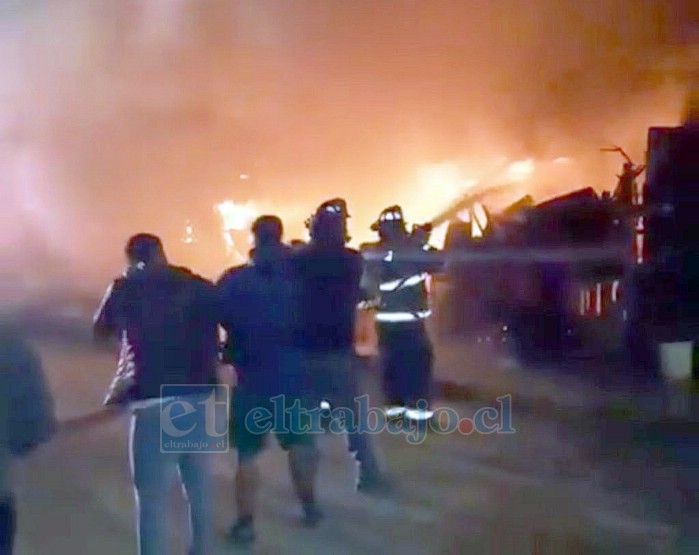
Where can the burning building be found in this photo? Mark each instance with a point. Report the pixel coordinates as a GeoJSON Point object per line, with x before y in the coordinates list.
{"type": "Point", "coordinates": [580, 272]}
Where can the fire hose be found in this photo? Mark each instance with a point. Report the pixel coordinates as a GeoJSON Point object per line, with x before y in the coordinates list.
{"type": "Point", "coordinates": [508, 254]}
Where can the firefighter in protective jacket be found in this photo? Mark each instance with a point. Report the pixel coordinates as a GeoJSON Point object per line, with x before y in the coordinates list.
{"type": "Point", "coordinates": [397, 268]}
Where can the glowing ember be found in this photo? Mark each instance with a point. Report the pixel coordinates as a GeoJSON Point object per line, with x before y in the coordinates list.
{"type": "Point", "coordinates": [189, 234]}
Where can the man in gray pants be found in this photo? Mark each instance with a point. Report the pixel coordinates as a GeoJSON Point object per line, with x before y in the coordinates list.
{"type": "Point", "coordinates": [166, 318]}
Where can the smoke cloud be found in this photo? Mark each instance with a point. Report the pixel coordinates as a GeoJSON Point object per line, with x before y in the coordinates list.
{"type": "Point", "coordinates": [126, 116]}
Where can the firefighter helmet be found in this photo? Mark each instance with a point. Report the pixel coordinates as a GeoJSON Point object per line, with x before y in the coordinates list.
{"type": "Point", "coordinates": [393, 216]}
{"type": "Point", "coordinates": [329, 214]}
{"type": "Point", "coordinates": [334, 206]}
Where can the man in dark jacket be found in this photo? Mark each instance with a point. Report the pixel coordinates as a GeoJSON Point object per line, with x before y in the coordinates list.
{"type": "Point", "coordinates": [259, 300]}
{"type": "Point", "coordinates": [330, 275]}
{"type": "Point", "coordinates": [166, 318]}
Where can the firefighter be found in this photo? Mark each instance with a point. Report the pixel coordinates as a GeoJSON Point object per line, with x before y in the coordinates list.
{"type": "Point", "coordinates": [395, 281]}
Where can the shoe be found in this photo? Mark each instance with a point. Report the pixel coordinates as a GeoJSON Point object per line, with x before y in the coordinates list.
{"type": "Point", "coordinates": [241, 533]}
{"type": "Point", "coordinates": [418, 415]}
{"type": "Point", "coordinates": [394, 412]}
{"type": "Point", "coordinates": [374, 485]}
{"type": "Point", "coordinates": [312, 515]}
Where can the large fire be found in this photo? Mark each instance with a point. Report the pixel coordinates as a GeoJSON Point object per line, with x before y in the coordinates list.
{"type": "Point", "coordinates": [435, 187]}
{"type": "Point", "coordinates": [235, 218]}
{"type": "Point", "coordinates": [307, 103]}
{"type": "Point", "coordinates": [441, 185]}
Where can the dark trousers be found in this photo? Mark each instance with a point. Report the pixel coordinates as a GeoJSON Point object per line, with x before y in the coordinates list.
{"type": "Point", "coordinates": [406, 362]}
{"type": "Point", "coordinates": [333, 378]}
{"type": "Point", "coordinates": [7, 525]}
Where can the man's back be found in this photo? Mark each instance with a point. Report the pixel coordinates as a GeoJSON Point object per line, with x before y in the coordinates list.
{"type": "Point", "coordinates": [259, 301]}
{"type": "Point", "coordinates": [167, 320]}
{"type": "Point", "coordinates": [329, 281]}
